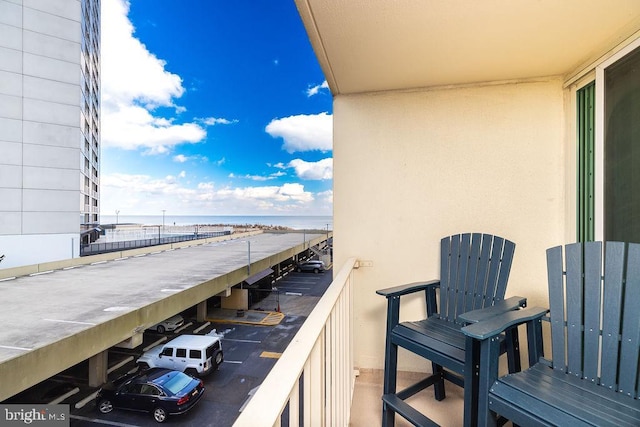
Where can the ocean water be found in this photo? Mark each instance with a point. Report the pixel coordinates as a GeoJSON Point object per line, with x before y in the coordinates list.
{"type": "Point", "coordinates": [294, 222]}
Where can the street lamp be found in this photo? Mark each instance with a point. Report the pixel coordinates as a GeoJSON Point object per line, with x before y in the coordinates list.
{"type": "Point", "coordinates": [117, 213]}
{"type": "Point", "coordinates": [163, 211]}
{"type": "Point", "coordinates": [249, 257]}
{"type": "Point", "coordinates": [328, 247]}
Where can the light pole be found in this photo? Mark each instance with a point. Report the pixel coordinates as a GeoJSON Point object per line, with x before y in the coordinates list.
{"type": "Point", "coordinates": [328, 247]}
{"type": "Point", "coordinates": [249, 256]}
{"type": "Point", "coordinates": [117, 213]}
{"type": "Point", "coordinates": [163, 211]}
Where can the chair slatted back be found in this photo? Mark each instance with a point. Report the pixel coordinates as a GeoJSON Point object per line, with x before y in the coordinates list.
{"type": "Point", "coordinates": [474, 269]}
{"type": "Point", "coordinates": [594, 300]}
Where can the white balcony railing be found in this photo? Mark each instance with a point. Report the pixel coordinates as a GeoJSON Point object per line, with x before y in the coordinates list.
{"type": "Point", "coordinates": [314, 378]}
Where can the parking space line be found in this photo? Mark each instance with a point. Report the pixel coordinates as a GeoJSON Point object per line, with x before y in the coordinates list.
{"type": "Point", "coordinates": [237, 362]}
{"type": "Point", "coordinates": [87, 399]}
{"type": "Point", "coordinates": [64, 396]}
{"type": "Point", "coordinates": [120, 364]}
{"type": "Point", "coordinates": [99, 421]}
{"type": "Point", "coordinates": [9, 347]}
{"type": "Point", "coordinates": [249, 341]}
{"type": "Point", "coordinates": [158, 342]}
{"type": "Point", "coordinates": [70, 321]}
{"type": "Point", "coordinates": [271, 354]}
{"type": "Point", "coordinates": [204, 325]}
{"type": "Point", "coordinates": [183, 327]}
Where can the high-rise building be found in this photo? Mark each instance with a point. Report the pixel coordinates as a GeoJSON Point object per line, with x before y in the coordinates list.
{"type": "Point", "coordinates": [49, 128]}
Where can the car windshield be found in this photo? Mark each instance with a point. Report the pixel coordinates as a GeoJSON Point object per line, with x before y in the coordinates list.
{"type": "Point", "coordinates": [177, 383]}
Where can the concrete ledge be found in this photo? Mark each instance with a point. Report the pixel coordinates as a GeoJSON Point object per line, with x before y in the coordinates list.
{"type": "Point", "coordinates": [81, 261]}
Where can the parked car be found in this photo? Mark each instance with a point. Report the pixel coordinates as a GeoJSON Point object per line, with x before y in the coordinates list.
{"type": "Point", "coordinates": [162, 392]}
{"type": "Point", "coordinates": [312, 265]}
{"type": "Point", "coordinates": [168, 325]}
{"type": "Point", "coordinates": [195, 355]}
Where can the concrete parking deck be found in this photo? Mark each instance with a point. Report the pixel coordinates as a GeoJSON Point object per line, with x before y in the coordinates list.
{"type": "Point", "coordinates": [55, 319]}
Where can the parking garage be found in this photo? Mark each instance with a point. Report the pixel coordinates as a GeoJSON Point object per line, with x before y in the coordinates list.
{"type": "Point", "coordinates": [65, 313]}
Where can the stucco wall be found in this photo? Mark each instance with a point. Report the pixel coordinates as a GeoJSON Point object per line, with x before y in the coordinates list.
{"type": "Point", "coordinates": [412, 167]}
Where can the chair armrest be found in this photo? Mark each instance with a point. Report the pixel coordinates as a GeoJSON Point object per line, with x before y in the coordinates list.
{"type": "Point", "coordinates": [409, 288]}
{"type": "Point", "coordinates": [481, 314]}
{"type": "Point", "coordinates": [495, 325]}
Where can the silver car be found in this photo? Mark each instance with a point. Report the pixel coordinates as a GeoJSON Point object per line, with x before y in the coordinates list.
{"type": "Point", "coordinates": [315, 266]}
{"type": "Point", "coordinates": [168, 325]}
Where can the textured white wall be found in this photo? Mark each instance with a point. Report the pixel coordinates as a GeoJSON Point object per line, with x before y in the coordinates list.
{"type": "Point", "coordinates": [412, 167]}
{"type": "Point", "coordinates": [40, 138]}
{"type": "Point", "coordinates": [22, 250]}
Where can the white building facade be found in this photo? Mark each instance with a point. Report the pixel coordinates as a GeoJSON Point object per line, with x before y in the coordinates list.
{"type": "Point", "coordinates": [49, 128]}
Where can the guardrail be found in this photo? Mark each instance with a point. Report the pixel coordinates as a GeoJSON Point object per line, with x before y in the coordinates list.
{"type": "Point", "coordinates": [312, 382]}
{"type": "Point", "coordinates": [103, 248]}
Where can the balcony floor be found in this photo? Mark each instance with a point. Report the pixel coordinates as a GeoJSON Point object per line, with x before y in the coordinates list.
{"type": "Point", "coordinates": [366, 410]}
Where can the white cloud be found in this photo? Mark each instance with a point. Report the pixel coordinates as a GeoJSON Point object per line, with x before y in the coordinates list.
{"type": "Point", "coordinates": [314, 90]}
{"type": "Point", "coordinates": [303, 132]}
{"type": "Point", "coordinates": [143, 194]}
{"type": "Point", "coordinates": [325, 197]}
{"type": "Point", "coordinates": [259, 177]}
{"type": "Point", "coordinates": [322, 169]}
{"type": "Point", "coordinates": [131, 127]}
{"type": "Point", "coordinates": [212, 121]}
{"type": "Point", "coordinates": [181, 158]}
{"type": "Point", "coordinates": [134, 83]}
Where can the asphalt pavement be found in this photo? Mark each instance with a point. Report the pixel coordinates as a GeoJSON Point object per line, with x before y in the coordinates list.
{"type": "Point", "coordinates": [250, 351]}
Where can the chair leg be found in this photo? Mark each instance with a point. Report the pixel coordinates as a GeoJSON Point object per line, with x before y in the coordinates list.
{"type": "Point", "coordinates": [438, 386]}
{"type": "Point", "coordinates": [390, 381]}
{"type": "Point", "coordinates": [388, 416]}
{"type": "Point", "coordinates": [471, 382]}
{"type": "Point", "coordinates": [513, 350]}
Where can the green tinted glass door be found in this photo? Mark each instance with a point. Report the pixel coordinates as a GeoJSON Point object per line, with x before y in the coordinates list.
{"type": "Point", "coordinates": [622, 150]}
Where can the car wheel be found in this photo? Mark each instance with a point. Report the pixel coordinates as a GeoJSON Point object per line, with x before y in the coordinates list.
{"type": "Point", "coordinates": [299, 270]}
{"type": "Point", "coordinates": [105, 406]}
{"type": "Point", "coordinates": [142, 366]}
{"type": "Point", "coordinates": [219, 359]}
{"type": "Point", "coordinates": [160, 329]}
{"type": "Point", "coordinates": [316, 271]}
{"type": "Point", "coordinates": [160, 415]}
{"type": "Point", "coordinates": [191, 371]}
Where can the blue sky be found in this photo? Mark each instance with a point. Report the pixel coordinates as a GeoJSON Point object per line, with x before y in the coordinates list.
{"type": "Point", "coordinates": [212, 108]}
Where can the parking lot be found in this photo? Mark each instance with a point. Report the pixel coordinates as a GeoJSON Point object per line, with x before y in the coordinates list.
{"type": "Point", "coordinates": [249, 351]}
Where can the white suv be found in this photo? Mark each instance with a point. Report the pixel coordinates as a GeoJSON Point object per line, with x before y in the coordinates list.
{"type": "Point", "coordinates": [196, 355]}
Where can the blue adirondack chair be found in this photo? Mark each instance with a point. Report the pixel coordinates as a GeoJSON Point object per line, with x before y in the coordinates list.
{"type": "Point", "coordinates": [474, 269]}
{"type": "Point", "coordinates": [592, 377]}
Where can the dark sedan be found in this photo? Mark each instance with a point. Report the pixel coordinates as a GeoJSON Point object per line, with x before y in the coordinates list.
{"type": "Point", "coordinates": [162, 392]}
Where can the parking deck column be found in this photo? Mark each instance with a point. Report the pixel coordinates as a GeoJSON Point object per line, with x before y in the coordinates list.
{"type": "Point", "coordinates": [98, 365]}
{"type": "Point", "coordinates": [201, 313]}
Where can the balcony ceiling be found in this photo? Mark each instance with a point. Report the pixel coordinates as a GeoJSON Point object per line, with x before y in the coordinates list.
{"type": "Point", "coordinates": [378, 45]}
